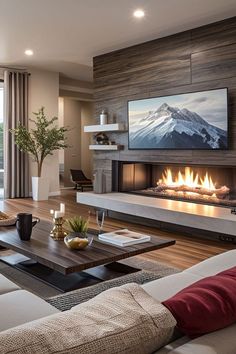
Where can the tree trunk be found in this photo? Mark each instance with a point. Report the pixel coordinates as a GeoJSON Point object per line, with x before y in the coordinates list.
{"type": "Point", "coordinates": [40, 163]}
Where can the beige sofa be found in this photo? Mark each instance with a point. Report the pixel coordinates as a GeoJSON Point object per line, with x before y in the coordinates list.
{"type": "Point", "coordinates": [20, 306]}
{"type": "Point", "coordinates": [219, 342]}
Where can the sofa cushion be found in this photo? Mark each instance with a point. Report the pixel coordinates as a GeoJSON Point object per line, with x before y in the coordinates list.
{"type": "Point", "coordinates": [214, 265]}
{"type": "Point", "coordinates": [162, 289]}
{"type": "Point", "coordinates": [21, 306]}
{"type": "Point", "coordinates": [207, 305]}
{"type": "Point", "coordinates": [119, 320]}
{"type": "Point", "coordinates": [6, 285]}
{"type": "Point", "coordinates": [222, 341]}
{"type": "Point", "coordinates": [173, 345]}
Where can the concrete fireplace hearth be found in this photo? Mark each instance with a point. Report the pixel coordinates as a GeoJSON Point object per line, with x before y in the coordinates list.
{"type": "Point", "coordinates": [210, 218]}
{"type": "Point", "coordinates": [188, 198]}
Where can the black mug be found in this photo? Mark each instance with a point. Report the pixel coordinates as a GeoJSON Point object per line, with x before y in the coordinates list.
{"type": "Point", "coordinates": [24, 225]}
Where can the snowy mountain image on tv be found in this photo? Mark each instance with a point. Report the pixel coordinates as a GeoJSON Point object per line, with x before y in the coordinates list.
{"type": "Point", "coordinates": [189, 121]}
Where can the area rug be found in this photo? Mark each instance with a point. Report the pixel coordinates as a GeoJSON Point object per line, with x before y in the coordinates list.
{"type": "Point", "coordinates": [66, 301]}
{"type": "Point", "coordinates": [27, 282]}
{"type": "Point", "coordinates": [150, 270]}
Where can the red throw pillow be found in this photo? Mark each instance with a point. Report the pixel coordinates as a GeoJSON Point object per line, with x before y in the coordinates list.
{"type": "Point", "coordinates": [205, 306]}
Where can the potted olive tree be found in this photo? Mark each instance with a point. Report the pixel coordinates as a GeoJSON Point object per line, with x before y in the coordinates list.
{"type": "Point", "coordinates": [39, 142]}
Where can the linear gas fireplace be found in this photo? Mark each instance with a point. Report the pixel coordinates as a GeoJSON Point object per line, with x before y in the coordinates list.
{"type": "Point", "coordinates": [214, 185]}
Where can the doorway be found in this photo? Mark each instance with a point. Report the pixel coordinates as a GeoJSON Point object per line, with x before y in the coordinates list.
{"type": "Point", "coordinates": [75, 114]}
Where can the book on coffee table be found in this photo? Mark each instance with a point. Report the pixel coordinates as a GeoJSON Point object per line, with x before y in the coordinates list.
{"type": "Point", "coordinates": [124, 237]}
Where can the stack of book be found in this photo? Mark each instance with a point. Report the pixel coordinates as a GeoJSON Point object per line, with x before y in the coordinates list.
{"type": "Point", "coordinates": [124, 238]}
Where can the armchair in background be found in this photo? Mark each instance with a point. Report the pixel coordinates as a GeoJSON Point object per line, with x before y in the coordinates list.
{"type": "Point", "coordinates": [80, 180]}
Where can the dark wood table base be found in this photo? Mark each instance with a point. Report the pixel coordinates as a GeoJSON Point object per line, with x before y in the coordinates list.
{"type": "Point", "coordinates": [71, 281]}
{"type": "Point", "coordinates": [65, 269]}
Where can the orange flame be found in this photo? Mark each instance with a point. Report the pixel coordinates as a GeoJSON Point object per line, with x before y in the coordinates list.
{"type": "Point", "coordinates": [188, 179]}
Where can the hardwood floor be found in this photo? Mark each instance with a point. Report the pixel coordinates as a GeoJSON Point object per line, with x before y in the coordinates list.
{"type": "Point", "coordinates": [186, 252]}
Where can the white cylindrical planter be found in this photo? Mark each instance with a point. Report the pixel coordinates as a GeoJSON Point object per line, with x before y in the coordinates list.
{"type": "Point", "coordinates": [40, 188]}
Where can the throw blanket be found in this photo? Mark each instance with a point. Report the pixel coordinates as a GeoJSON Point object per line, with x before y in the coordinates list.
{"type": "Point", "coordinates": [120, 320]}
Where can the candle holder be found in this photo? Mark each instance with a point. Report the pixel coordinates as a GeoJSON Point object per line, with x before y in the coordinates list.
{"type": "Point", "coordinates": [58, 232]}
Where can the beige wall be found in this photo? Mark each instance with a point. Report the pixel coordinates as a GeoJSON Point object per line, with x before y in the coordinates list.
{"type": "Point", "coordinates": [72, 155]}
{"type": "Point", "coordinates": [44, 91]}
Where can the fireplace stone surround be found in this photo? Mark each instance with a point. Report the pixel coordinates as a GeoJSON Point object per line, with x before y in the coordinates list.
{"type": "Point", "coordinates": [199, 59]}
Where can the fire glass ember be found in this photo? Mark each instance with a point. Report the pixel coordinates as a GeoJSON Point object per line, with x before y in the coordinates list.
{"type": "Point", "coordinates": [189, 183]}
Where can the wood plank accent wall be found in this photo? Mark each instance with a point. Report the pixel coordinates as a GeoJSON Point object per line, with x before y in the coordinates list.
{"type": "Point", "coordinates": [200, 59]}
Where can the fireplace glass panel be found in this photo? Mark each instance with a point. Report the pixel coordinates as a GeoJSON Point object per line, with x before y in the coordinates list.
{"type": "Point", "coordinates": [209, 185]}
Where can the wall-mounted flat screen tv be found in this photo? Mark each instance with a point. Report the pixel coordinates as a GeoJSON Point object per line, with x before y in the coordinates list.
{"type": "Point", "coordinates": [196, 120]}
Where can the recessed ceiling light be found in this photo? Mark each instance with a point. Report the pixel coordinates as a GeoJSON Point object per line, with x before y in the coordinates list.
{"type": "Point", "coordinates": [139, 13]}
{"type": "Point", "coordinates": [29, 52]}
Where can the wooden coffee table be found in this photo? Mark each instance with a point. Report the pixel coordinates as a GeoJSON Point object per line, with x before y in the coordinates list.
{"type": "Point", "coordinates": [66, 269]}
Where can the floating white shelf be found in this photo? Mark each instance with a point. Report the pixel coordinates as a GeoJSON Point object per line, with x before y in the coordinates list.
{"type": "Point", "coordinates": [105, 147]}
{"type": "Point", "coordinates": [116, 127]}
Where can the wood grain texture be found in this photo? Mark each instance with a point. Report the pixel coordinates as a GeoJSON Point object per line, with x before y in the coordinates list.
{"type": "Point", "coordinates": [215, 35]}
{"type": "Point", "coordinates": [204, 58]}
{"type": "Point", "coordinates": [186, 252]}
{"type": "Point", "coordinates": [166, 72]}
{"type": "Point", "coordinates": [213, 64]}
{"type": "Point", "coordinates": [136, 69]}
{"type": "Point", "coordinates": [143, 55]}
{"type": "Point", "coordinates": [55, 255]}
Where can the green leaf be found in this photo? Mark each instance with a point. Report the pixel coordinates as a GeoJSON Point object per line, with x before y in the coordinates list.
{"type": "Point", "coordinates": [78, 224]}
{"type": "Point", "coordinates": [42, 140]}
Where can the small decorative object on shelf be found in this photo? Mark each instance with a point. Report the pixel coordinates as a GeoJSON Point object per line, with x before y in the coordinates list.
{"type": "Point", "coordinates": [101, 139]}
{"type": "Point", "coordinates": [233, 211]}
{"type": "Point", "coordinates": [58, 232]}
{"type": "Point", "coordinates": [103, 117]}
{"type": "Point", "coordinates": [78, 238]}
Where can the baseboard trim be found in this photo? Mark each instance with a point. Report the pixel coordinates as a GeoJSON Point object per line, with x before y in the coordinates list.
{"type": "Point", "coordinates": [51, 194]}
{"type": "Point", "coordinates": [54, 194]}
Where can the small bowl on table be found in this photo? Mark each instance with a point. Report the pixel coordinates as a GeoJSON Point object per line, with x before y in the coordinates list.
{"type": "Point", "coordinates": [78, 241]}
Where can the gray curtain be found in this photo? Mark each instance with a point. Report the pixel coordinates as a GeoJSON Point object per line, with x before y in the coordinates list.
{"type": "Point", "coordinates": [16, 164]}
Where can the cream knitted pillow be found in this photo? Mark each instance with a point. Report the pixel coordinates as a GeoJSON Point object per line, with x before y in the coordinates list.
{"type": "Point", "coordinates": [120, 320]}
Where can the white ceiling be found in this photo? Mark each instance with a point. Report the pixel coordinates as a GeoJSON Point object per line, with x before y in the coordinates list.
{"type": "Point", "coordinates": [66, 34]}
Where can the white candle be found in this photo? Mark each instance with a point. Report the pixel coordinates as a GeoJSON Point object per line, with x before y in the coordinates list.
{"type": "Point", "coordinates": [58, 214]}
{"type": "Point", "coordinates": [51, 211]}
{"type": "Point", "coordinates": [62, 208]}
